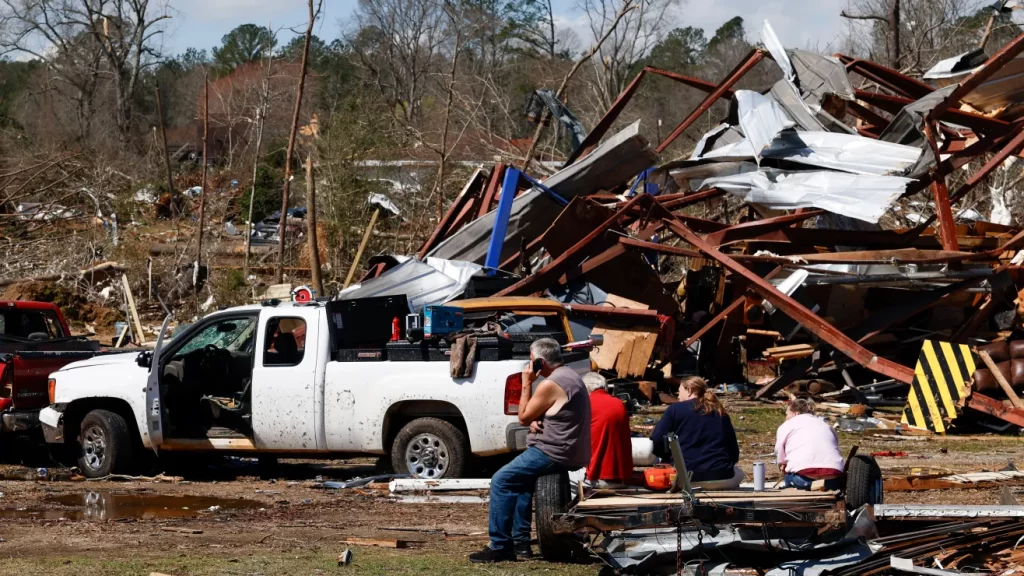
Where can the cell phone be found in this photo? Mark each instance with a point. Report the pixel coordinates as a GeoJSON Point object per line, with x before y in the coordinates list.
{"type": "Point", "coordinates": [538, 365]}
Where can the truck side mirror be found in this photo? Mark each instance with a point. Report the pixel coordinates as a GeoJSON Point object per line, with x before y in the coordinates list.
{"type": "Point", "coordinates": [144, 359]}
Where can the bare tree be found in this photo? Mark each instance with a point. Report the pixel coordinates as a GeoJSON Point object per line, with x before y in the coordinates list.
{"type": "Point", "coordinates": [912, 35]}
{"type": "Point", "coordinates": [620, 17]}
{"type": "Point", "coordinates": [261, 119]}
{"type": "Point", "coordinates": [82, 41]}
{"type": "Point", "coordinates": [397, 42]}
{"type": "Point", "coordinates": [628, 41]}
{"type": "Point", "coordinates": [282, 231]}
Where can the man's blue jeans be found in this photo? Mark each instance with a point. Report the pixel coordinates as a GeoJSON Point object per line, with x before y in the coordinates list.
{"type": "Point", "coordinates": [511, 503]}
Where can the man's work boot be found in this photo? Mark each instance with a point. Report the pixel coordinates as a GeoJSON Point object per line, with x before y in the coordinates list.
{"type": "Point", "coordinates": [524, 551]}
{"type": "Point", "coordinates": [489, 556]}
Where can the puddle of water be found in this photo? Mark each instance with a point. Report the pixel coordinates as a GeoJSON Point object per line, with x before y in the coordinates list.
{"type": "Point", "coordinates": [107, 506]}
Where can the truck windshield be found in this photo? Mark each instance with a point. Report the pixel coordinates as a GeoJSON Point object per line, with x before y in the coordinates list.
{"type": "Point", "coordinates": [228, 334]}
{"type": "Point", "coordinates": [30, 324]}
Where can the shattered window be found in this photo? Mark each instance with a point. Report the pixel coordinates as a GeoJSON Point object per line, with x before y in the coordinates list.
{"type": "Point", "coordinates": [230, 333]}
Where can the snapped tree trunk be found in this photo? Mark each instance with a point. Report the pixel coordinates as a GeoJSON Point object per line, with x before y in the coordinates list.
{"type": "Point", "coordinates": [314, 242]}
{"type": "Point", "coordinates": [282, 228]}
{"type": "Point", "coordinates": [202, 192]}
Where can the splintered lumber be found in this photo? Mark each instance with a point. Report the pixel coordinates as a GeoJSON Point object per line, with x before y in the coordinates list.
{"type": "Point", "coordinates": [1000, 379]}
{"type": "Point", "coordinates": [445, 484]}
{"type": "Point", "coordinates": [133, 310]}
{"type": "Point", "coordinates": [954, 481]}
{"type": "Point", "coordinates": [626, 350]}
{"type": "Point", "coordinates": [629, 499]}
{"type": "Point", "coordinates": [774, 350]}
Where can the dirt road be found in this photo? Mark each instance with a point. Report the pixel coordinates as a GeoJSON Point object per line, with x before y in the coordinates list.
{"type": "Point", "coordinates": [224, 519]}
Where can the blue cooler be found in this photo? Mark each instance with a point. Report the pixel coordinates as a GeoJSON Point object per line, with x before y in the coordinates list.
{"type": "Point", "coordinates": [439, 321]}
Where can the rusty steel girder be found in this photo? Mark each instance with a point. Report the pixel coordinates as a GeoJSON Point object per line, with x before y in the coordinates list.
{"type": "Point", "coordinates": [789, 306]}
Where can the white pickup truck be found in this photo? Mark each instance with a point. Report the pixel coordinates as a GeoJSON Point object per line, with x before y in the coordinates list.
{"type": "Point", "coordinates": [267, 380]}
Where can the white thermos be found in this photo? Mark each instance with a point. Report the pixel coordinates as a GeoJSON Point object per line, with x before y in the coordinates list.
{"type": "Point", "coordinates": [759, 476]}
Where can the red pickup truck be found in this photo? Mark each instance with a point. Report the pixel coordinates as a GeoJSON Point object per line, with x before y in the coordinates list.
{"type": "Point", "coordinates": [34, 341]}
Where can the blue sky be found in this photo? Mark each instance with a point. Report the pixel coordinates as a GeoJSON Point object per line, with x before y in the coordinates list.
{"type": "Point", "coordinates": [811, 24]}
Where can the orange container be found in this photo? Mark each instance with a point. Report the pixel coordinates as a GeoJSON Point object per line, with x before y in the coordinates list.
{"type": "Point", "coordinates": [660, 477]}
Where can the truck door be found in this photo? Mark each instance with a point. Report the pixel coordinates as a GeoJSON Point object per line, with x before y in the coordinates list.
{"type": "Point", "coordinates": [286, 378]}
{"type": "Point", "coordinates": [154, 414]}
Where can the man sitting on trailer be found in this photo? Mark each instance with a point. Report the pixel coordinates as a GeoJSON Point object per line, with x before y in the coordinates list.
{"type": "Point", "coordinates": [611, 450]}
{"type": "Point", "coordinates": [558, 414]}
{"type": "Point", "coordinates": [807, 448]}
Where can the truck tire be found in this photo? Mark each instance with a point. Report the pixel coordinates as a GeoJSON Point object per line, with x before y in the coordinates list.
{"type": "Point", "coordinates": [551, 497]}
{"type": "Point", "coordinates": [105, 443]}
{"type": "Point", "coordinates": [430, 448]}
{"type": "Point", "coordinates": [863, 482]}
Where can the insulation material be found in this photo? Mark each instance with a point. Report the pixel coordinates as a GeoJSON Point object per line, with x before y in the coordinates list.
{"type": "Point", "coordinates": [625, 350]}
{"type": "Point", "coordinates": [862, 197]}
{"type": "Point", "coordinates": [1000, 213]}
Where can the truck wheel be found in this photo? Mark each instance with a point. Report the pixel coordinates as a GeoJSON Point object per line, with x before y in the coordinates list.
{"type": "Point", "coordinates": [863, 482]}
{"type": "Point", "coordinates": [552, 497]}
{"type": "Point", "coordinates": [106, 444]}
{"type": "Point", "coordinates": [430, 448]}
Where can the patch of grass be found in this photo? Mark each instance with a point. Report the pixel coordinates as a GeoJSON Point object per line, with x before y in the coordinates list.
{"type": "Point", "coordinates": [757, 421]}
{"type": "Point", "coordinates": [368, 561]}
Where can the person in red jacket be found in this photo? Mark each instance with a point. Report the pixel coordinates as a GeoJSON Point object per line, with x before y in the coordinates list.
{"type": "Point", "coordinates": [611, 450]}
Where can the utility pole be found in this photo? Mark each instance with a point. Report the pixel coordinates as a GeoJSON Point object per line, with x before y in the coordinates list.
{"type": "Point", "coordinates": [314, 242]}
{"type": "Point", "coordinates": [202, 186]}
{"type": "Point", "coordinates": [283, 229]}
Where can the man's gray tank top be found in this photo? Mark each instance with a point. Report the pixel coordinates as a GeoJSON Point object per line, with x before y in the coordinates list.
{"type": "Point", "coordinates": [565, 437]}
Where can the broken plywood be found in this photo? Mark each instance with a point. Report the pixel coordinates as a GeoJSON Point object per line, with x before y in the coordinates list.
{"type": "Point", "coordinates": [627, 351]}
{"type": "Point", "coordinates": [954, 481]}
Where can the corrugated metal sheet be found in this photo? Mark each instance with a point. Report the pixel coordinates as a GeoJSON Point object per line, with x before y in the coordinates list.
{"type": "Point", "coordinates": [425, 283]}
{"type": "Point", "coordinates": [863, 197]}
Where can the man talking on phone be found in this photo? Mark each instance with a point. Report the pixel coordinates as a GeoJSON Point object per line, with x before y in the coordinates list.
{"type": "Point", "coordinates": [557, 410]}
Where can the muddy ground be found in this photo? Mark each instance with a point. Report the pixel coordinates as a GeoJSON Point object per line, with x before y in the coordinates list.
{"type": "Point", "coordinates": [225, 519]}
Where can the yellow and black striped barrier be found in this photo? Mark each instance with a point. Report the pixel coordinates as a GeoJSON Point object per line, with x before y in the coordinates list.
{"type": "Point", "coordinates": [941, 379]}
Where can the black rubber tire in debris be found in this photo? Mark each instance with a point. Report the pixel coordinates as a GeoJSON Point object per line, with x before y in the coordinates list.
{"type": "Point", "coordinates": [117, 441]}
{"type": "Point", "coordinates": [863, 482]}
{"type": "Point", "coordinates": [552, 497]}
{"type": "Point", "coordinates": [454, 441]}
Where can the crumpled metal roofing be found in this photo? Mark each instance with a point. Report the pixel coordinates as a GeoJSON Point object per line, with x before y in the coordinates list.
{"type": "Point", "coordinates": [1002, 94]}
{"type": "Point", "coordinates": [864, 197]}
{"type": "Point", "coordinates": [425, 282]}
{"type": "Point", "coordinates": [616, 161]}
{"type": "Point", "coordinates": [840, 152]}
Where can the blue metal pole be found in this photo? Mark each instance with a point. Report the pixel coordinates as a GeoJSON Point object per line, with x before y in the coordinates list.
{"type": "Point", "coordinates": [508, 194]}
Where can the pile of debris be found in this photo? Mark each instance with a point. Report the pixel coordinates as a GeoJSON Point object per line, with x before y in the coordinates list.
{"type": "Point", "coordinates": [800, 289]}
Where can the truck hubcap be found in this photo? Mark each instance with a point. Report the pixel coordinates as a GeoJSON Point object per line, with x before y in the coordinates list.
{"type": "Point", "coordinates": [426, 456]}
{"type": "Point", "coordinates": [94, 446]}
